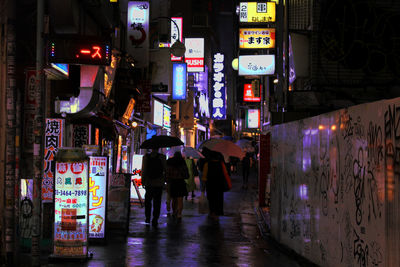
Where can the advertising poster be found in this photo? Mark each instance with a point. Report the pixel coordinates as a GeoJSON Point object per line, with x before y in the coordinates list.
{"type": "Point", "coordinates": [137, 176]}
{"type": "Point", "coordinates": [71, 209]}
{"type": "Point", "coordinates": [53, 141]}
{"type": "Point", "coordinates": [97, 196]}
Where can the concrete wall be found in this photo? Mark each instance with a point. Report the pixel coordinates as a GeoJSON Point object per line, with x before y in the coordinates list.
{"type": "Point", "coordinates": [334, 185]}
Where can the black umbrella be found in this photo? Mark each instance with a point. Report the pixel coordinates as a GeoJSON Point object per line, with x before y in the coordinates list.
{"type": "Point", "coordinates": [158, 141]}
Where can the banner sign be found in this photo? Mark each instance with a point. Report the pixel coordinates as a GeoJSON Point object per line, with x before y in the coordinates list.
{"type": "Point", "coordinates": [174, 34]}
{"type": "Point", "coordinates": [71, 209]}
{"type": "Point", "coordinates": [53, 140]}
{"type": "Point", "coordinates": [218, 91]}
{"type": "Point", "coordinates": [138, 32]}
{"type": "Point", "coordinates": [81, 135]}
{"type": "Point", "coordinates": [179, 81]}
{"type": "Point", "coordinates": [256, 65]}
{"type": "Point", "coordinates": [248, 94]}
{"type": "Point", "coordinates": [194, 55]}
{"type": "Point", "coordinates": [97, 196]}
{"type": "Point", "coordinates": [137, 161]}
{"type": "Point", "coordinates": [167, 117]}
{"type": "Point", "coordinates": [256, 38]}
{"type": "Point", "coordinates": [254, 12]}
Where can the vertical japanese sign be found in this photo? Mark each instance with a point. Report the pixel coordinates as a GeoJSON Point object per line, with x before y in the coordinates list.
{"type": "Point", "coordinates": [137, 161]}
{"type": "Point", "coordinates": [71, 207]}
{"type": "Point", "coordinates": [175, 33]}
{"type": "Point", "coordinates": [218, 91]}
{"type": "Point", "coordinates": [138, 32]}
{"type": "Point", "coordinates": [179, 81]}
{"type": "Point", "coordinates": [81, 135]}
{"type": "Point", "coordinates": [53, 141]}
{"type": "Point", "coordinates": [194, 55]}
{"type": "Point", "coordinates": [97, 196]}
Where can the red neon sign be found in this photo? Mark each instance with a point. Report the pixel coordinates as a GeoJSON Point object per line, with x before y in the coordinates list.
{"type": "Point", "coordinates": [248, 94]}
{"type": "Point", "coordinates": [95, 52]}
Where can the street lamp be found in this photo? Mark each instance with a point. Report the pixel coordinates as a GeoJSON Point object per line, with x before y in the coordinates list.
{"type": "Point", "coordinates": [177, 49]}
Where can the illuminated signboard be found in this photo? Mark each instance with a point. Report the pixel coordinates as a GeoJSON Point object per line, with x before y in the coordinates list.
{"type": "Point", "coordinates": [137, 176]}
{"type": "Point", "coordinates": [218, 91]}
{"type": "Point", "coordinates": [80, 51]}
{"type": "Point", "coordinates": [167, 116]}
{"type": "Point", "coordinates": [179, 81]}
{"type": "Point", "coordinates": [253, 118]}
{"type": "Point", "coordinates": [174, 35]}
{"type": "Point", "coordinates": [158, 111]}
{"type": "Point", "coordinates": [194, 55]}
{"type": "Point", "coordinates": [71, 206]}
{"type": "Point", "coordinates": [137, 42]}
{"type": "Point", "coordinates": [254, 12]}
{"type": "Point", "coordinates": [97, 196]}
{"type": "Point", "coordinates": [248, 94]}
{"type": "Point", "coordinates": [53, 141]}
{"type": "Point", "coordinates": [256, 38]}
{"type": "Point", "coordinates": [257, 65]}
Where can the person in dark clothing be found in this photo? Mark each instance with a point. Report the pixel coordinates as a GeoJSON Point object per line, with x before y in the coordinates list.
{"type": "Point", "coordinates": [246, 169]}
{"type": "Point", "coordinates": [153, 180]}
{"type": "Point", "coordinates": [213, 178]}
{"type": "Point", "coordinates": [176, 174]}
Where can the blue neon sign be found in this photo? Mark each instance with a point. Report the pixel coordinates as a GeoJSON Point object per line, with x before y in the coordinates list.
{"type": "Point", "coordinates": [218, 91]}
{"type": "Point", "coordinates": [179, 81]}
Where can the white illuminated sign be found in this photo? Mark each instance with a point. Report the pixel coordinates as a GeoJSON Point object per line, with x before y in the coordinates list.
{"type": "Point", "coordinates": [174, 34]}
{"type": "Point", "coordinates": [97, 196]}
{"type": "Point", "coordinates": [194, 55]}
{"type": "Point", "coordinates": [158, 110]}
{"type": "Point", "coordinates": [253, 118]}
{"type": "Point", "coordinates": [257, 65]}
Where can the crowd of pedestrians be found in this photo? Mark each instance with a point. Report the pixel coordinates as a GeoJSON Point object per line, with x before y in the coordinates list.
{"type": "Point", "coordinates": [177, 176]}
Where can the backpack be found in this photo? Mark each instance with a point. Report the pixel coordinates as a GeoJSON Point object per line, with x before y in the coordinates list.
{"type": "Point", "coordinates": [155, 167]}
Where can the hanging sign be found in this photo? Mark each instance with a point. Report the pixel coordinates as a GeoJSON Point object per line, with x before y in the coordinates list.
{"type": "Point", "coordinates": [97, 196]}
{"type": "Point", "coordinates": [194, 55]}
{"type": "Point", "coordinates": [138, 32]}
{"type": "Point", "coordinates": [248, 94]}
{"type": "Point", "coordinates": [71, 204]}
{"type": "Point", "coordinates": [253, 12]}
{"type": "Point", "coordinates": [256, 38]}
{"type": "Point", "coordinates": [218, 91]}
{"type": "Point", "coordinates": [179, 81]}
{"type": "Point", "coordinates": [253, 118]}
{"type": "Point", "coordinates": [53, 141]}
{"type": "Point", "coordinates": [256, 65]}
{"type": "Point", "coordinates": [175, 33]}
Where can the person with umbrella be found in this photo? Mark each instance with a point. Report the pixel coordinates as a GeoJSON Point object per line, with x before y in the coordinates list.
{"type": "Point", "coordinates": [153, 180]}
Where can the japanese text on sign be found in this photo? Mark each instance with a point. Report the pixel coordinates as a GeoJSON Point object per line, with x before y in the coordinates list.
{"type": "Point", "coordinates": [218, 96]}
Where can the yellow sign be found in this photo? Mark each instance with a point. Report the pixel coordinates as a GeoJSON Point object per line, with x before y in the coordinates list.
{"type": "Point", "coordinates": [256, 38]}
{"type": "Point", "coordinates": [257, 12]}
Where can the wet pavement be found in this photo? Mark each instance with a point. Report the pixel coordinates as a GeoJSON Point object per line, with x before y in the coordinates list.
{"type": "Point", "coordinates": [197, 241]}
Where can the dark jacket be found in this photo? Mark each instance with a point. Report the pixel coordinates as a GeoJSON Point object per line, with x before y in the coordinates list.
{"type": "Point", "coordinates": [151, 181]}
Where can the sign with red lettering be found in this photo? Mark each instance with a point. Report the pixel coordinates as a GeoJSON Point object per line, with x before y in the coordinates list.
{"type": "Point", "coordinates": [79, 50]}
{"type": "Point", "coordinates": [194, 55]}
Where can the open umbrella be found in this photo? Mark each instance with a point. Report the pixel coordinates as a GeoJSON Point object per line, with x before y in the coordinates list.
{"type": "Point", "coordinates": [158, 141]}
{"type": "Point", "coordinates": [245, 145]}
{"type": "Point", "coordinates": [190, 152]}
{"type": "Point", "coordinates": [225, 147]}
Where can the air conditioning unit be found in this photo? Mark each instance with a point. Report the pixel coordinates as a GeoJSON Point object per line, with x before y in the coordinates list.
{"type": "Point", "coordinates": [200, 20]}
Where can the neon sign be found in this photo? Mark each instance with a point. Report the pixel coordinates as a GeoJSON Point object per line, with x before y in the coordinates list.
{"type": "Point", "coordinates": [80, 51]}
{"type": "Point", "coordinates": [179, 81]}
{"type": "Point", "coordinates": [248, 94]}
{"type": "Point", "coordinates": [218, 95]}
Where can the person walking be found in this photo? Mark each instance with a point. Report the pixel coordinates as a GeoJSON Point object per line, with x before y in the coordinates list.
{"type": "Point", "coordinates": [190, 183]}
{"type": "Point", "coordinates": [153, 180]}
{"type": "Point", "coordinates": [176, 174]}
{"type": "Point", "coordinates": [246, 169]}
{"type": "Point", "coordinates": [214, 171]}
